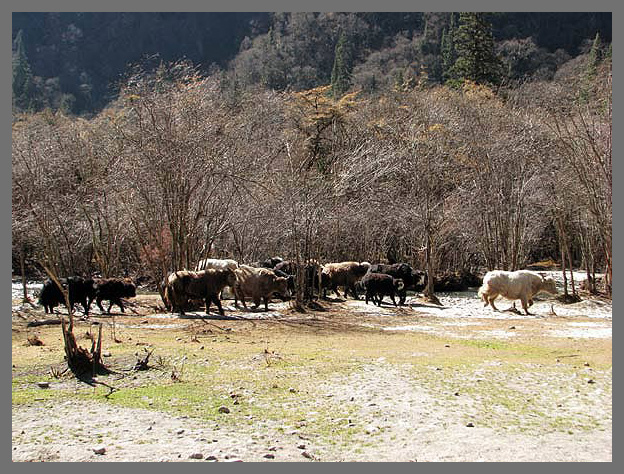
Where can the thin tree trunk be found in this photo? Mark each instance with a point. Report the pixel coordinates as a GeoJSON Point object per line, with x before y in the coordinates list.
{"type": "Point", "coordinates": [563, 256]}
{"type": "Point", "coordinates": [25, 298]}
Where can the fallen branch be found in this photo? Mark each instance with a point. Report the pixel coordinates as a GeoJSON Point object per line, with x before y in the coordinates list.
{"type": "Point", "coordinates": [46, 322]}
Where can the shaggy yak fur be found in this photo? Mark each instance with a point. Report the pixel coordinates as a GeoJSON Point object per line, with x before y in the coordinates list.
{"type": "Point", "coordinates": [50, 296]}
{"type": "Point", "coordinates": [259, 284]}
{"type": "Point", "coordinates": [290, 280]}
{"type": "Point", "coordinates": [217, 264]}
{"type": "Point", "coordinates": [310, 279]}
{"type": "Point", "coordinates": [345, 274]}
{"type": "Point", "coordinates": [270, 263]}
{"type": "Point", "coordinates": [80, 290]}
{"type": "Point", "coordinates": [205, 284]}
{"type": "Point", "coordinates": [113, 289]}
{"type": "Point", "coordinates": [378, 285]}
{"type": "Point", "coordinates": [519, 285]}
{"type": "Point", "coordinates": [413, 279]}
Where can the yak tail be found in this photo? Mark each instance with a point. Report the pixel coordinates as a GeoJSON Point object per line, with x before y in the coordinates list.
{"type": "Point", "coordinates": [481, 292]}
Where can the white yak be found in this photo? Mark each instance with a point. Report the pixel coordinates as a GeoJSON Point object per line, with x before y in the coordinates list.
{"type": "Point", "coordinates": [216, 264]}
{"type": "Point", "coordinates": [519, 285]}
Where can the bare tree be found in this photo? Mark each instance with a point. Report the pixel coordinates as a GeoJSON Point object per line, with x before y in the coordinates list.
{"type": "Point", "coordinates": [584, 141]}
{"type": "Point", "coordinates": [179, 175]}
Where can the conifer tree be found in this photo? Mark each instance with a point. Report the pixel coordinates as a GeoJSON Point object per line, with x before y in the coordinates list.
{"type": "Point", "coordinates": [447, 48]}
{"type": "Point", "coordinates": [594, 57]}
{"type": "Point", "coordinates": [474, 45]}
{"type": "Point", "coordinates": [343, 66]}
{"type": "Point", "coordinates": [593, 60]}
{"type": "Point", "coordinates": [22, 76]}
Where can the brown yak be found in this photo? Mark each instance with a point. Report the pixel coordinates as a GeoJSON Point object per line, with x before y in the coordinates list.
{"type": "Point", "coordinates": [206, 284]}
{"type": "Point", "coordinates": [259, 284]}
{"type": "Point", "coordinates": [345, 274]}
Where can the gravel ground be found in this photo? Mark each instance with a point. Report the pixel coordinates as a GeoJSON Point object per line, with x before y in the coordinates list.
{"type": "Point", "coordinates": [403, 423]}
{"type": "Point", "coordinates": [403, 420]}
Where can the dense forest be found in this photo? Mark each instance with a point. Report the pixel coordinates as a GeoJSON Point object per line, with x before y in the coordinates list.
{"type": "Point", "coordinates": [457, 142]}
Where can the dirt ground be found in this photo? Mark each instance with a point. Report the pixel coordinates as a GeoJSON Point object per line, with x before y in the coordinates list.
{"type": "Point", "coordinates": [533, 388]}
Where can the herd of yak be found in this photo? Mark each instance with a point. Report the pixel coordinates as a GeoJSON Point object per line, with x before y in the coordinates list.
{"type": "Point", "coordinates": [275, 277]}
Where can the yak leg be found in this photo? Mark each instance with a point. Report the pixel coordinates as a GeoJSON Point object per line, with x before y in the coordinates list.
{"type": "Point", "coordinates": [99, 303]}
{"type": "Point", "coordinates": [266, 302]}
{"type": "Point", "coordinates": [85, 306]}
{"type": "Point", "coordinates": [491, 301]}
{"type": "Point", "coordinates": [119, 303]}
{"type": "Point", "coordinates": [239, 295]}
{"type": "Point", "coordinates": [217, 302]}
{"type": "Point", "coordinates": [73, 305]}
{"type": "Point", "coordinates": [402, 296]}
{"type": "Point", "coordinates": [525, 305]}
{"type": "Point", "coordinates": [392, 297]}
{"type": "Point", "coordinates": [485, 298]}
{"type": "Point", "coordinates": [180, 304]}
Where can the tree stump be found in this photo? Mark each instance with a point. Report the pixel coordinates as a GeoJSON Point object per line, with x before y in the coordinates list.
{"type": "Point", "coordinates": [81, 361]}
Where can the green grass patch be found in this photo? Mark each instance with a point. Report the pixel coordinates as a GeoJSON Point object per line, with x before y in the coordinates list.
{"type": "Point", "coordinates": [38, 395]}
{"type": "Point", "coordinates": [481, 344]}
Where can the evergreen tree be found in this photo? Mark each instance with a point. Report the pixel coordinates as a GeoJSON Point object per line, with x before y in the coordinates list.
{"type": "Point", "coordinates": [593, 60]}
{"type": "Point", "coordinates": [343, 66]}
{"type": "Point", "coordinates": [594, 57]}
{"type": "Point", "coordinates": [474, 45]}
{"type": "Point", "coordinates": [447, 48]}
{"type": "Point", "coordinates": [22, 77]}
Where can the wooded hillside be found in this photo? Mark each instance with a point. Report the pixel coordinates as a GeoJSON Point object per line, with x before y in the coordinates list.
{"type": "Point", "coordinates": [77, 61]}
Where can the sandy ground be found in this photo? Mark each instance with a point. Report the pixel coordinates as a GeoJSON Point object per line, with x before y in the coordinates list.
{"type": "Point", "coordinates": [408, 429]}
{"type": "Point", "coordinates": [404, 422]}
